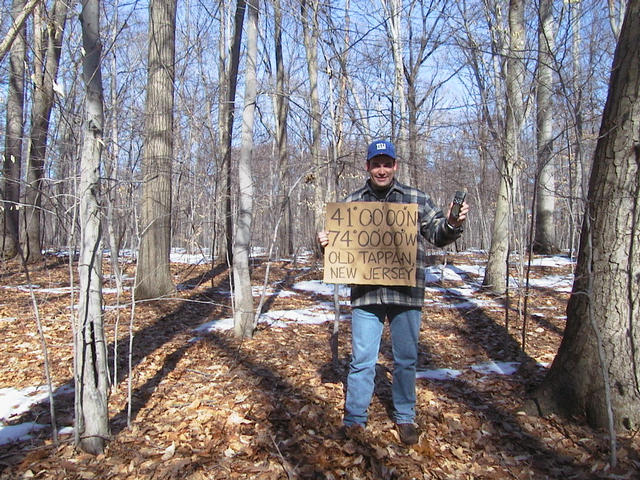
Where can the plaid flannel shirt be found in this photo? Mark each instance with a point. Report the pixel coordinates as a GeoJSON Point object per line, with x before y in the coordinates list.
{"type": "Point", "coordinates": [433, 227]}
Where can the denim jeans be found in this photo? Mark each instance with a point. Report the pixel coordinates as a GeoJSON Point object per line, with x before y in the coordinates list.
{"type": "Point", "coordinates": [366, 330]}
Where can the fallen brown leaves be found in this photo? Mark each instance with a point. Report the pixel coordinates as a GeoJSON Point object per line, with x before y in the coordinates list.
{"type": "Point", "coordinates": [210, 406]}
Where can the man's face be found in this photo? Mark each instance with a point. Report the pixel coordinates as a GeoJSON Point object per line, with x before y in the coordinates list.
{"type": "Point", "coordinates": [381, 171]}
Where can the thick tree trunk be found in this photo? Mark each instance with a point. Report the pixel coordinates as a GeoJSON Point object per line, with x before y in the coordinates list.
{"type": "Point", "coordinates": [47, 48]}
{"type": "Point", "coordinates": [244, 311]}
{"type": "Point", "coordinates": [12, 160]}
{"type": "Point", "coordinates": [545, 234]}
{"type": "Point", "coordinates": [154, 276]}
{"type": "Point", "coordinates": [604, 308]}
{"type": "Point", "coordinates": [92, 387]}
{"type": "Point", "coordinates": [495, 277]}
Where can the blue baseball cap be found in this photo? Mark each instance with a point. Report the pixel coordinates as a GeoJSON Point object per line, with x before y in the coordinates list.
{"type": "Point", "coordinates": [381, 147]}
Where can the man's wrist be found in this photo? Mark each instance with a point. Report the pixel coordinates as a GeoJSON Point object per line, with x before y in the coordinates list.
{"type": "Point", "coordinates": [453, 229]}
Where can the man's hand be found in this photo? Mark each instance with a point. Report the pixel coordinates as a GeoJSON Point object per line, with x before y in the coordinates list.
{"type": "Point", "coordinates": [323, 238]}
{"type": "Point", "coordinates": [457, 222]}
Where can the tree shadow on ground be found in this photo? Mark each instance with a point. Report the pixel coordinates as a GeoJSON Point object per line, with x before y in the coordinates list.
{"type": "Point", "coordinates": [189, 315]}
{"type": "Point", "coordinates": [291, 441]}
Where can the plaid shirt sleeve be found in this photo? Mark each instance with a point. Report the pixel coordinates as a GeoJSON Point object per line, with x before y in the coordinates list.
{"type": "Point", "coordinates": [433, 227]}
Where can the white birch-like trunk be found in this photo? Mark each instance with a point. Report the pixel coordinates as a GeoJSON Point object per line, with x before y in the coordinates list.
{"type": "Point", "coordinates": [244, 311]}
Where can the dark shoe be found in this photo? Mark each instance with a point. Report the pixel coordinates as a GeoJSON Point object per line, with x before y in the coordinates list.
{"type": "Point", "coordinates": [408, 433]}
{"type": "Point", "coordinates": [353, 432]}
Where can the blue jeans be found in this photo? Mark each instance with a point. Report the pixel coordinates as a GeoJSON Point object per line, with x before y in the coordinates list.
{"type": "Point", "coordinates": [366, 331]}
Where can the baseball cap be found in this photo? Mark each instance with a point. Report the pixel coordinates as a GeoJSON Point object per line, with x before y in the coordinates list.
{"type": "Point", "coordinates": [381, 147]}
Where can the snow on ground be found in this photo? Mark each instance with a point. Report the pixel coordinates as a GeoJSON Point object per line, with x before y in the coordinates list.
{"type": "Point", "coordinates": [15, 402]}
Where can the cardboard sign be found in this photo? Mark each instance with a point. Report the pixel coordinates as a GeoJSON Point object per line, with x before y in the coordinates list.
{"type": "Point", "coordinates": [371, 243]}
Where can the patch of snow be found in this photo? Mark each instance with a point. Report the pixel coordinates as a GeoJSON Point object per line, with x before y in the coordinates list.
{"type": "Point", "coordinates": [17, 433]}
{"type": "Point", "coordinates": [15, 402]}
{"type": "Point", "coordinates": [500, 368]}
{"type": "Point", "coordinates": [438, 374]}
{"type": "Point", "coordinates": [320, 288]}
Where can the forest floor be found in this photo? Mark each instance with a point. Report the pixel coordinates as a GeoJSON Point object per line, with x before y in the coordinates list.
{"type": "Point", "coordinates": [209, 406]}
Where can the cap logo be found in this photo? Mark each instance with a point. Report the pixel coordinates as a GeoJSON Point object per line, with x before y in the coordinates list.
{"type": "Point", "coordinates": [381, 146]}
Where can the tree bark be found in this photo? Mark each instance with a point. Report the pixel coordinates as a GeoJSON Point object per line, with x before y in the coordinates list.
{"type": "Point", "coordinates": [496, 271]}
{"type": "Point", "coordinates": [578, 165]}
{"type": "Point", "coordinates": [228, 113]}
{"type": "Point", "coordinates": [47, 49]}
{"type": "Point", "coordinates": [309, 11]}
{"type": "Point", "coordinates": [281, 102]}
{"type": "Point", "coordinates": [604, 307]}
{"type": "Point", "coordinates": [12, 160]}
{"type": "Point", "coordinates": [154, 276]}
{"type": "Point", "coordinates": [19, 19]}
{"type": "Point", "coordinates": [393, 10]}
{"type": "Point", "coordinates": [545, 234]}
{"type": "Point", "coordinates": [244, 311]}
{"type": "Point", "coordinates": [92, 370]}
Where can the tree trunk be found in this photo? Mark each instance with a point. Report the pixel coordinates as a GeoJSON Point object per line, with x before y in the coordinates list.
{"type": "Point", "coordinates": [393, 10]}
{"type": "Point", "coordinates": [113, 226]}
{"type": "Point", "coordinates": [93, 416]}
{"type": "Point", "coordinates": [244, 312]}
{"type": "Point", "coordinates": [47, 48]}
{"type": "Point", "coordinates": [310, 38]}
{"type": "Point", "coordinates": [577, 181]}
{"type": "Point", "coordinates": [12, 160]}
{"type": "Point", "coordinates": [545, 234]}
{"type": "Point", "coordinates": [604, 308]}
{"type": "Point", "coordinates": [19, 19]}
{"type": "Point", "coordinates": [281, 102]}
{"type": "Point", "coordinates": [496, 271]}
{"type": "Point", "coordinates": [154, 276]}
{"type": "Point", "coordinates": [228, 112]}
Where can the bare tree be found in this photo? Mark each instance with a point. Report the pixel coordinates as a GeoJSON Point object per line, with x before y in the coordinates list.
{"type": "Point", "coordinates": [496, 272]}
{"type": "Point", "coordinates": [12, 159]}
{"type": "Point", "coordinates": [545, 236]}
{"type": "Point", "coordinates": [393, 24]}
{"type": "Point", "coordinates": [595, 372]}
{"type": "Point", "coordinates": [281, 105]}
{"type": "Point", "coordinates": [244, 311]}
{"type": "Point", "coordinates": [617, 9]}
{"type": "Point", "coordinates": [47, 41]}
{"type": "Point", "coordinates": [311, 33]}
{"type": "Point", "coordinates": [422, 44]}
{"type": "Point", "coordinates": [92, 380]}
{"type": "Point", "coordinates": [154, 276]}
{"type": "Point", "coordinates": [19, 16]}
{"type": "Point", "coordinates": [229, 74]}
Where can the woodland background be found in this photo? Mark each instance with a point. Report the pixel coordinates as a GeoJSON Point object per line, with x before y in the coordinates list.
{"type": "Point", "coordinates": [222, 129]}
{"type": "Point", "coordinates": [453, 95]}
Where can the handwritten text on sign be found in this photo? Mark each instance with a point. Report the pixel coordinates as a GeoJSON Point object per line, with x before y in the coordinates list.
{"type": "Point", "coordinates": [371, 243]}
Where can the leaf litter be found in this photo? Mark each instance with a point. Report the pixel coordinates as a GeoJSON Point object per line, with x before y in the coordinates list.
{"type": "Point", "coordinates": [206, 405]}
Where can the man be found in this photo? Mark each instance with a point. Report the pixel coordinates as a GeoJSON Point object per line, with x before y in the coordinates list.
{"type": "Point", "coordinates": [402, 305]}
